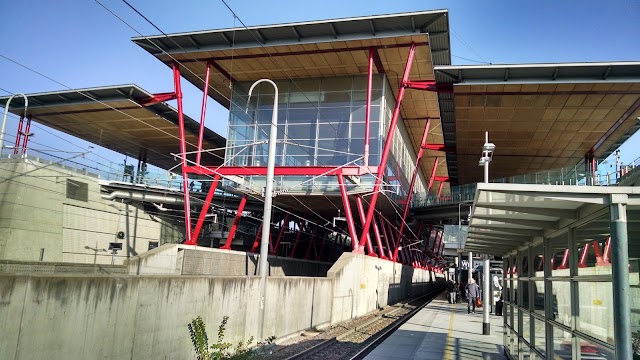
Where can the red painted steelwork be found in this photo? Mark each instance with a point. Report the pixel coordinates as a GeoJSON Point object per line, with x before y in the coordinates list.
{"type": "Point", "coordinates": [386, 238]}
{"type": "Point", "coordinates": [565, 261]}
{"type": "Point", "coordinates": [183, 155]}
{"type": "Point", "coordinates": [347, 211]}
{"type": "Point", "coordinates": [234, 227]}
{"type": "Point", "coordinates": [367, 109]}
{"type": "Point", "coordinates": [607, 251]}
{"type": "Point", "coordinates": [158, 98]}
{"type": "Point", "coordinates": [18, 135]}
{"type": "Point", "coordinates": [361, 213]}
{"type": "Point", "coordinates": [433, 175]}
{"type": "Point", "coordinates": [256, 242]}
{"type": "Point", "coordinates": [440, 188]}
{"type": "Point", "coordinates": [205, 95]}
{"type": "Point", "coordinates": [283, 170]}
{"type": "Point", "coordinates": [430, 85]}
{"type": "Point", "coordinates": [438, 147]}
{"type": "Point", "coordinates": [426, 243]}
{"type": "Point", "coordinates": [413, 180]}
{"type": "Point", "coordinates": [295, 246]}
{"type": "Point", "coordinates": [283, 227]}
{"type": "Point", "coordinates": [311, 244]}
{"type": "Point", "coordinates": [387, 146]}
{"type": "Point", "coordinates": [205, 209]}
{"type": "Point", "coordinates": [27, 135]}
{"type": "Point", "coordinates": [376, 231]}
{"type": "Point", "coordinates": [582, 262]}
{"type": "Point", "coordinates": [420, 230]}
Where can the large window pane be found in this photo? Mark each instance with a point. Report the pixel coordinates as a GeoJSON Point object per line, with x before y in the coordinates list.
{"type": "Point", "coordinates": [588, 235]}
{"type": "Point", "coordinates": [524, 287]}
{"type": "Point", "coordinates": [561, 344]}
{"type": "Point", "coordinates": [538, 297]}
{"type": "Point", "coordinates": [559, 248]}
{"type": "Point", "coordinates": [561, 299]}
{"type": "Point", "coordinates": [539, 336]}
{"type": "Point", "coordinates": [526, 326]}
{"type": "Point", "coordinates": [596, 309]}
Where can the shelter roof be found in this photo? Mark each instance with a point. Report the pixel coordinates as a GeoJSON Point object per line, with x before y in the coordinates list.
{"type": "Point", "coordinates": [540, 116]}
{"type": "Point", "coordinates": [506, 217]}
{"type": "Point", "coordinates": [338, 47]}
{"type": "Point", "coordinates": [114, 117]}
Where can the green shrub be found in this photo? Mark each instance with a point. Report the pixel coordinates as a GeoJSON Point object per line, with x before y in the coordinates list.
{"type": "Point", "coordinates": [221, 350]}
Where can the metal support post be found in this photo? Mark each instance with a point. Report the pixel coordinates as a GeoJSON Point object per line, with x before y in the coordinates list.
{"type": "Point", "coordinates": [486, 281]}
{"type": "Point", "coordinates": [205, 95]}
{"type": "Point", "coordinates": [387, 145]}
{"type": "Point", "coordinates": [312, 245]}
{"type": "Point", "coordinates": [376, 231]}
{"type": "Point", "coordinates": [205, 209]}
{"type": "Point", "coordinates": [349, 216]}
{"type": "Point", "coordinates": [183, 156]}
{"type": "Point", "coordinates": [283, 228]}
{"type": "Point", "coordinates": [361, 213]}
{"type": "Point", "coordinates": [257, 241]}
{"type": "Point", "coordinates": [27, 135]}
{"type": "Point", "coordinates": [295, 245]}
{"type": "Point", "coordinates": [236, 221]}
{"type": "Point", "coordinates": [620, 279]}
{"type": "Point", "coordinates": [470, 266]}
{"type": "Point", "coordinates": [433, 175]}
{"type": "Point", "coordinates": [413, 179]}
{"type": "Point", "coordinates": [385, 233]}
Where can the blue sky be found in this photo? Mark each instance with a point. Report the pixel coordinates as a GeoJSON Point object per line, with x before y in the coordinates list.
{"type": "Point", "coordinates": [80, 44]}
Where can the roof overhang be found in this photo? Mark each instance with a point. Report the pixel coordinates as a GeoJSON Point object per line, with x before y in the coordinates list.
{"type": "Point", "coordinates": [338, 47]}
{"type": "Point", "coordinates": [114, 117]}
{"type": "Point", "coordinates": [540, 116]}
{"type": "Point", "coordinates": [506, 217]}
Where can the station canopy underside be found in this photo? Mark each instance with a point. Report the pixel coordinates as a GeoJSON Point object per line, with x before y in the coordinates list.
{"type": "Point", "coordinates": [506, 217]}
{"type": "Point", "coordinates": [113, 117]}
{"type": "Point", "coordinates": [321, 49]}
{"type": "Point", "coordinates": [539, 116]}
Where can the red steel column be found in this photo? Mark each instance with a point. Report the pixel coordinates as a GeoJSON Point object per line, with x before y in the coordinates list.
{"type": "Point", "coordinates": [205, 209]}
{"type": "Point", "coordinates": [183, 155]}
{"type": "Point", "coordinates": [25, 140]}
{"type": "Point", "coordinates": [256, 243]}
{"type": "Point", "coordinates": [413, 178]}
{"type": "Point", "coordinates": [204, 111]}
{"type": "Point", "coordinates": [565, 261]}
{"type": "Point", "coordinates": [234, 227]}
{"type": "Point", "coordinates": [18, 135]}
{"type": "Point", "coordinates": [295, 245]}
{"type": "Point", "coordinates": [582, 262]}
{"type": "Point", "coordinates": [387, 146]}
{"type": "Point", "coordinates": [420, 230]}
{"type": "Point", "coordinates": [313, 234]}
{"type": "Point", "coordinates": [376, 231]}
{"type": "Point", "coordinates": [349, 215]}
{"type": "Point", "coordinates": [361, 212]}
{"type": "Point", "coordinates": [386, 238]}
{"type": "Point", "coordinates": [433, 175]}
{"type": "Point", "coordinates": [440, 188]}
{"type": "Point", "coordinates": [607, 251]}
{"type": "Point", "coordinates": [285, 225]}
{"type": "Point", "coordinates": [367, 116]}
{"type": "Point", "coordinates": [312, 245]}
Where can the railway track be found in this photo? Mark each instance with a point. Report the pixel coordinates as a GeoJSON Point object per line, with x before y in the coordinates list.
{"type": "Point", "coordinates": [359, 339]}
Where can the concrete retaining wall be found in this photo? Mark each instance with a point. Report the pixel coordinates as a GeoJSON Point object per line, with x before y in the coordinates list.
{"type": "Point", "coordinates": [146, 317]}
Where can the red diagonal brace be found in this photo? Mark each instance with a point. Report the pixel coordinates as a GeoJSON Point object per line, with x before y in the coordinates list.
{"type": "Point", "coordinates": [376, 231]}
{"type": "Point", "coordinates": [234, 227]}
{"type": "Point", "coordinates": [430, 85]}
{"type": "Point", "coordinates": [254, 248]}
{"type": "Point", "coordinates": [582, 263]}
{"type": "Point", "coordinates": [607, 251]}
{"type": "Point", "coordinates": [433, 175]}
{"type": "Point", "coordinates": [205, 210]}
{"type": "Point", "coordinates": [361, 213]}
{"type": "Point", "coordinates": [157, 98]}
{"type": "Point", "coordinates": [438, 147]}
{"type": "Point", "coordinates": [285, 225]}
{"type": "Point", "coordinates": [349, 216]}
{"type": "Point", "coordinates": [387, 146]}
{"type": "Point", "coordinates": [295, 245]}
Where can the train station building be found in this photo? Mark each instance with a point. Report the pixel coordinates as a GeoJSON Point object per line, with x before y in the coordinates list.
{"type": "Point", "coordinates": [364, 142]}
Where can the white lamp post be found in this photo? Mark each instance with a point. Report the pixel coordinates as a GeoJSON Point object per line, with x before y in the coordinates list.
{"type": "Point", "coordinates": [487, 155]}
{"type": "Point", "coordinates": [268, 194]}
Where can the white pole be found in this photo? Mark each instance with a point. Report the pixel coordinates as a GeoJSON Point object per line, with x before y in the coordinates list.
{"type": "Point", "coordinates": [486, 326]}
{"type": "Point", "coordinates": [268, 194]}
{"type": "Point", "coordinates": [4, 118]}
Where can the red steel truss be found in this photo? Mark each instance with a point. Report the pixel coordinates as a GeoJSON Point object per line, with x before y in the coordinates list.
{"type": "Point", "coordinates": [389, 245]}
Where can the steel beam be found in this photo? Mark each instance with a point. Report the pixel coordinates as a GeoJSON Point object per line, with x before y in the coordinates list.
{"type": "Point", "coordinates": [387, 145]}
{"type": "Point", "coordinates": [283, 170]}
{"type": "Point", "coordinates": [204, 211]}
{"type": "Point", "coordinates": [236, 221]}
{"type": "Point", "coordinates": [362, 215]}
{"type": "Point", "coordinates": [205, 96]}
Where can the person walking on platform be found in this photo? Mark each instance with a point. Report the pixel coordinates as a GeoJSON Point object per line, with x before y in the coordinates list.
{"type": "Point", "coordinates": [473, 292]}
{"type": "Point", "coordinates": [456, 291]}
{"type": "Point", "coordinates": [451, 295]}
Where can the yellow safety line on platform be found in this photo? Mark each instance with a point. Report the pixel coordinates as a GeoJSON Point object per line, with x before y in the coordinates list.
{"type": "Point", "coordinates": [447, 350]}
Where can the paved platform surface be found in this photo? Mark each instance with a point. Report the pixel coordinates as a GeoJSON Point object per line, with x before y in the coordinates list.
{"type": "Point", "coordinates": [443, 331]}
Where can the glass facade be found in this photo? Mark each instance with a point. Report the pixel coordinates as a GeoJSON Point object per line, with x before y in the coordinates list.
{"type": "Point", "coordinates": [321, 122]}
{"type": "Point", "coordinates": [559, 297]}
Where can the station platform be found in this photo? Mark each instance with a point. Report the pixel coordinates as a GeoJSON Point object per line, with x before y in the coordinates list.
{"type": "Point", "coordinates": [443, 331]}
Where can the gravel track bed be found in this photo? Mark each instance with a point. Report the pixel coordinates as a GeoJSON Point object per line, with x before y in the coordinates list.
{"type": "Point", "coordinates": [345, 343]}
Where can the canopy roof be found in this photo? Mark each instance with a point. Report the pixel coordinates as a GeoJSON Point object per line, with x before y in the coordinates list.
{"type": "Point", "coordinates": [114, 117]}
{"type": "Point", "coordinates": [338, 47]}
{"type": "Point", "coordinates": [506, 217]}
{"type": "Point", "coordinates": [540, 116]}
